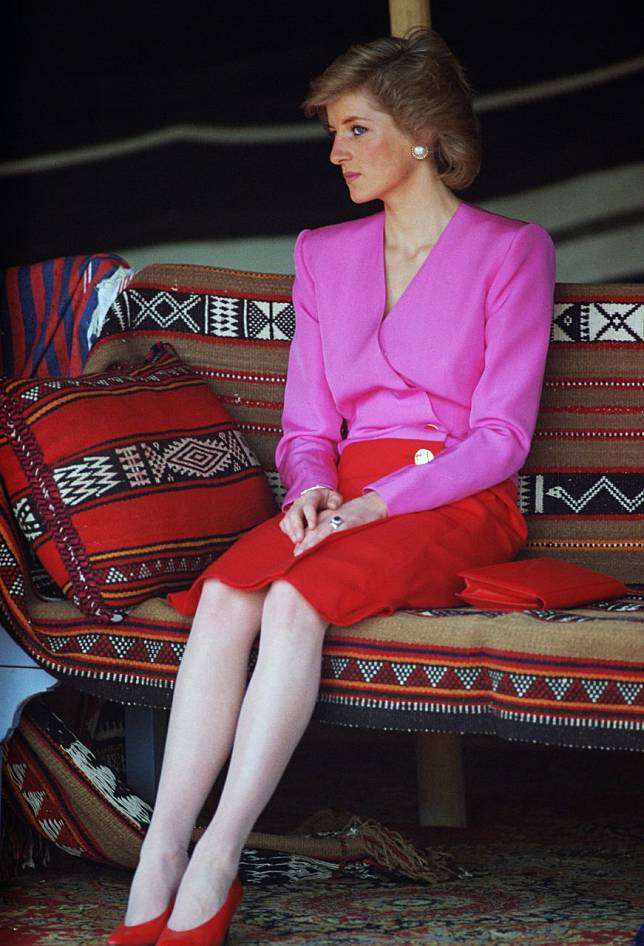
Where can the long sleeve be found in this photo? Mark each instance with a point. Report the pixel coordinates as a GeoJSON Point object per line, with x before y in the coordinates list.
{"type": "Point", "coordinates": [307, 452]}
{"type": "Point", "coordinates": [505, 402]}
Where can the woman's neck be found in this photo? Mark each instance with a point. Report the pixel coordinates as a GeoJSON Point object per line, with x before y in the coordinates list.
{"type": "Point", "coordinates": [416, 216]}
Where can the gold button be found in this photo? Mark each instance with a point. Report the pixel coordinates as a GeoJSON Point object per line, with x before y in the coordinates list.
{"type": "Point", "coordinates": [423, 456]}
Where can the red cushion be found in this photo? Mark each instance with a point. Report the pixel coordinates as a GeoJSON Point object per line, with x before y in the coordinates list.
{"type": "Point", "coordinates": [127, 483]}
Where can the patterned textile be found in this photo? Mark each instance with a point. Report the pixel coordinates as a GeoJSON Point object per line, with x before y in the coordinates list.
{"type": "Point", "coordinates": [83, 808]}
{"type": "Point", "coordinates": [51, 312]}
{"type": "Point", "coordinates": [65, 794]}
{"type": "Point", "coordinates": [579, 506]}
{"type": "Point", "coordinates": [582, 487]}
{"type": "Point", "coordinates": [127, 483]}
{"type": "Point", "coordinates": [569, 677]}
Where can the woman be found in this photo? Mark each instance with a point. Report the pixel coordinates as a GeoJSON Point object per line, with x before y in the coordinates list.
{"type": "Point", "coordinates": [424, 328]}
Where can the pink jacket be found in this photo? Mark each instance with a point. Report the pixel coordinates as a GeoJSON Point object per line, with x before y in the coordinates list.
{"type": "Point", "coordinates": [460, 358]}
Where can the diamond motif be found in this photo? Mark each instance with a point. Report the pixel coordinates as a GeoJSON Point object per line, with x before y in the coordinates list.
{"type": "Point", "coordinates": [198, 457]}
{"type": "Point", "coordinates": [223, 317]}
{"type": "Point", "coordinates": [165, 309]}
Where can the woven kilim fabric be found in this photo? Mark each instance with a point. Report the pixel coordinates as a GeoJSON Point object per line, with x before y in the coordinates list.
{"type": "Point", "coordinates": [582, 487]}
{"type": "Point", "coordinates": [68, 797]}
{"type": "Point", "coordinates": [51, 312]}
{"type": "Point", "coordinates": [570, 677]}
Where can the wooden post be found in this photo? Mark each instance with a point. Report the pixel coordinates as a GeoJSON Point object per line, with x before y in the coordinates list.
{"type": "Point", "coordinates": [405, 14]}
{"type": "Point", "coordinates": [441, 793]}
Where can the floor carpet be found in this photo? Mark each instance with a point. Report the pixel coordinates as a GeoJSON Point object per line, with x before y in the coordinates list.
{"type": "Point", "coordinates": [553, 855]}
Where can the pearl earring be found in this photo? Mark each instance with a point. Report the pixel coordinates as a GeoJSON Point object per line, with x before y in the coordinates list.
{"type": "Point", "coordinates": [419, 152]}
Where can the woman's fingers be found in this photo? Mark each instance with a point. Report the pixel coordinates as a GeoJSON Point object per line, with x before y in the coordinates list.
{"type": "Point", "coordinates": [304, 515]}
{"type": "Point", "coordinates": [310, 512]}
{"type": "Point", "coordinates": [354, 513]}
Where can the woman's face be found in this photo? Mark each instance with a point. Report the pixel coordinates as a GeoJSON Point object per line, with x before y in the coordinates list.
{"type": "Point", "coordinates": [372, 152]}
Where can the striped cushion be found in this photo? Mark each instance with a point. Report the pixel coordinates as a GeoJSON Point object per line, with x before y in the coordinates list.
{"type": "Point", "coordinates": [127, 483]}
{"type": "Point", "coordinates": [581, 487]}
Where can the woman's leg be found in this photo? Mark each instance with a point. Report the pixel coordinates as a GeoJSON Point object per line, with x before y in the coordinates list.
{"type": "Point", "coordinates": [208, 692]}
{"type": "Point", "coordinates": [275, 712]}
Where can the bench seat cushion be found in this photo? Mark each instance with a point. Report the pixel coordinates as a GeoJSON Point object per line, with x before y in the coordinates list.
{"type": "Point", "coordinates": [565, 677]}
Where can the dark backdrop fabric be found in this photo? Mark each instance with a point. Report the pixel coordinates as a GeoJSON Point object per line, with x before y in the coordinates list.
{"type": "Point", "coordinates": [80, 76]}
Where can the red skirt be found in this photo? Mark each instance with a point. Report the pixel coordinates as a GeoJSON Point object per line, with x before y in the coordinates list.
{"type": "Point", "coordinates": [403, 561]}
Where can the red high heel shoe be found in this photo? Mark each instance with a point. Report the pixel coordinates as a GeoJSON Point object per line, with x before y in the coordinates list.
{"type": "Point", "coordinates": [140, 934]}
{"type": "Point", "coordinates": [214, 931]}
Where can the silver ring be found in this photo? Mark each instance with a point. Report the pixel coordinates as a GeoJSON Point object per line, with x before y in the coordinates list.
{"type": "Point", "coordinates": [336, 521]}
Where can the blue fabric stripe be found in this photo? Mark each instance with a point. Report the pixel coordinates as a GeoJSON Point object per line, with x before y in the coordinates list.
{"type": "Point", "coordinates": [66, 309]}
{"type": "Point", "coordinates": [91, 301]}
{"type": "Point", "coordinates": [28, 307]}
{"type": "Point", "coordinates": [40, 349]}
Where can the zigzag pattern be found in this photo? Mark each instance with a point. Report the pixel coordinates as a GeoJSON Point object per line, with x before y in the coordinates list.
{"type": "Point", "coordinates": [569, 494]}
{"type": "Point", "coordinates": [604, 482]}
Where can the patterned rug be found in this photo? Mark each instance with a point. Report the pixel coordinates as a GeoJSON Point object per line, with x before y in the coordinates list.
{"type": "Point", "coordinates": [554, 855]}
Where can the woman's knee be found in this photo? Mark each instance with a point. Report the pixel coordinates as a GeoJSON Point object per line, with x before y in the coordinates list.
{"type": "Point", "coordinates": [219, 603]}
{"type": "Point", "coordinates": [287, 609]}
{"type": "Point", "coordinates": [215, 594]}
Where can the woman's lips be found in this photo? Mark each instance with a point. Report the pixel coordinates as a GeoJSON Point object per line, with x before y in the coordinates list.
{"type": "Point", "coordinates": [351, 176]}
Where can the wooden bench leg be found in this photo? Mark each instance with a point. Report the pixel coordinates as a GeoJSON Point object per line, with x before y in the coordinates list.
{"type": "Point", "coordinates": [441, 792]}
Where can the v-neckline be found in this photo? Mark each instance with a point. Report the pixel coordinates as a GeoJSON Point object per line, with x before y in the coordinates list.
{"type": "Point", "coordinates": [383, 271]}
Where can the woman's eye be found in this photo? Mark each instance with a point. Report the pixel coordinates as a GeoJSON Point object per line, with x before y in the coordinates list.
{"type": "Point", "coordinates": [358, 130]}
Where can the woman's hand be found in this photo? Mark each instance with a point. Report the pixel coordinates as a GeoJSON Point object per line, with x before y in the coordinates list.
{"type": "Point", "coordinates": [356, 512]}
{"type": "Point", "coordinates": [305, 511]}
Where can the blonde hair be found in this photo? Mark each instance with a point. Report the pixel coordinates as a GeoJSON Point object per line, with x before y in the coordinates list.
{"type": "Point", "coordinates": [418, 81]}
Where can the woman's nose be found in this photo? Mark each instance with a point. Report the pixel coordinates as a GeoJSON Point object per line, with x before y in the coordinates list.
{"type": "Point", "coordinates": [339, 151]}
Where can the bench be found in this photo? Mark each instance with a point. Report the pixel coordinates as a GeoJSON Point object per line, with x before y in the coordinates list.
{"type": "Point", "coordinates": [558, 677]}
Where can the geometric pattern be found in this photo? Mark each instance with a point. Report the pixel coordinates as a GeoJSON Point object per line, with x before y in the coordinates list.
{"type": "Point", "coordinates": [549, 676]}
{"type": "Point", "coordinates": [77, 803]}
{"type": "Point", "coordinates": [139, 503]}
{"type": "Point", "coordinates": [151, 463]}
{"type": "Point", "coordinates": [133, 572]}
{"type": "Point", "coordinates": [202, 314]}
{"type": "Point", "coordinates": [27, 518]}
{"type": "Point", "coordinates": [573, 494]}
{"type": "Point", "coordinates": [599, 322]}
{"type": "Point", "coordinates": [489, 690]}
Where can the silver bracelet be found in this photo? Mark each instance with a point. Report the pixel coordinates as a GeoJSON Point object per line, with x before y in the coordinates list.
{"type": "Point", "coordinates": [318, 486]}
